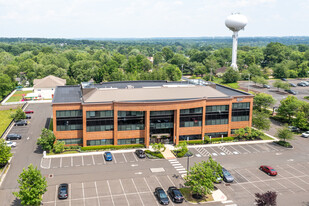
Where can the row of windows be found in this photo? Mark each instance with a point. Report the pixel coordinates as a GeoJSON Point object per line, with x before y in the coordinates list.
{"type": "Point", "coordinates": [192, 111]}
{"type": "Point", "coordinates": [130, 141]}
{"type": "Point", "coordinates": [217, 121]}
{"type": "Point", "coordinates": [217, 134]}
{"type": "Point", "coordinates": [131, 127]}
{"type": "Point", "coordinates": [162, 125]}
{"type": "Point", "coordinates": [131, 113]}
{"type": "Point", "coordinates": [240, 118]}
{"type": "Point", "coordinates": [98, 114]}
{"type": "Point", "coordinates": [190, 137]}
{"type": "Point", "coordinates": [218, 108]}
{"type": "Point", "coordinates": [69, 127]}
{"type": "Point", "coordinates": [72, 141]}
{"type": "Point", "coordinates": [162, 113]}
{"type": "Point", "coordinates": [69, 113]}
{"type": "Point", "coordinates": [100, 128]}
{"type": "Point", "coordinates": [244, 105]}
{"type": "Point", "coordinates": [100, 142]}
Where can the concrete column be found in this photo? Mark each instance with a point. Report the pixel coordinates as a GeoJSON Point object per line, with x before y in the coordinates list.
{"type": "Point", "coordinates": [176, 126]}
{"type": "Point", "coordinates": [203, 120]}
{"type": "Point", "coordinates": [115, 123]}
{"type": "Point", "coordinates": [230, 118]}
{"type": "Point", "coordinates": [84, 127]}
{"type": "Point", "coordinates": [147, 128]}
{"type": "Point", "coordinates": [251, 111]}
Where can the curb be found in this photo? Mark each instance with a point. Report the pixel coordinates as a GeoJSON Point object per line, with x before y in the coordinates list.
{"type": "Point", "coordinates": [231, 143]}
{"type": "Point", "coordinates": [5, 171]}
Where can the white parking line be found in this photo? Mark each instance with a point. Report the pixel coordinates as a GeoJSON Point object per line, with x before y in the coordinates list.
{"type": "Point", "coordinates": [56, 195]}
{"type": "Point", "coordinates": [244, 148]}
{"type": "Point", "coordinates": [134, 156]}
{"type": "Point", "coordinates": [49, 163]}
{"type": "Point", "coordinates": [125, 159]}
{"type": "Point", "coordinates": [114, 158]}
{"type": "Point", "coordinates": [93, 160]}
{"type": "Point", "coordinates": [60, 162]}
{"type": "Point", "coordinates": [244, 188]}
{"type": "Point", "coordinates": [70, 194]}
{"type": "Point", "coordinates": [241, 175]}
{"type": "Point", "coordinates": [263, 182]}
{"type": "Point", "coordinates": [286, 187]}
{"type": "Point", "coordinates": [293, 182]}
{"type": "Point", "coordinates": [124, 191]}
{"type": "Point", "coordinates": [71, 161]}
{"type": "Point", "coordinates": [82, 160]}
{"type": "Point", "coordinates": [103, 159]}
{"type": "Point", "coordinates": [110, 191]}
{"type": "Point", "coordinates": [180, 169]}
{"type": "Point", "coordinates": [137, 192]}
{"type": "Point", "coordinates": [83, 194]}
{"type": "Point", "coordinates": [96, 191]}
{"type": "Point", "coordinates": [296, 176]}
{"type": "Point", "coordinates": [253, 148]}
{"type": "Point", "coordinates": [176, 164]}
{"type": "Point", "coordinates": [151, 191]}
{"type": "Point", "coordinates": [296, 170]}
{"type": "Point", "coordinates": [272, 147]}
{"type": "Point", "coordinates": [234, 149]}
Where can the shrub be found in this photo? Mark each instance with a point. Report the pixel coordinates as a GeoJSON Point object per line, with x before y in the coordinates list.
{"type": "Point", "coordinates": [284, 144]}
{"type": "Point", "coordinates": [193, 142]}
{"type": "Point", "coordinates": [111, 147]}
{"type": "Point", "coordinates": [218, 139]}
{"type": "Point", "coordinates": [59, 146]}
{"type": "Point", "coordinates": [153, 155]}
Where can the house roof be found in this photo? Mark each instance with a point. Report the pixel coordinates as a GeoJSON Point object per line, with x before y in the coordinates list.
{"type": "Point", "coordinates": [48, 82]}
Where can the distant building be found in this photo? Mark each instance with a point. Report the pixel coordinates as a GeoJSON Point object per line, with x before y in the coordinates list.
{"type": "Point", "coordinates": [45, 87]}
{"type": "Point", "coordinates": [143, 112]}
{"type": "Point", "coordinates": [219, 72]}
{"type": "Point", "coordinates": [150, 59]}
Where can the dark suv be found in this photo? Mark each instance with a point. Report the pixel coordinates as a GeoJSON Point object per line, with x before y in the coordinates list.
{"type": "Point", "coordinates": [140, 153]}
{"type": "Point", "coordinates": [13, 136]}
{"type": "Point", "coordinates": [175, 194]}
{"type": "Point", "coordinates": [21, 123]}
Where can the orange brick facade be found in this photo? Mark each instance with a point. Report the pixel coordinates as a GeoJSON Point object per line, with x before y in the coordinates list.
{"type": "Point", "coordinates": [147, 107]}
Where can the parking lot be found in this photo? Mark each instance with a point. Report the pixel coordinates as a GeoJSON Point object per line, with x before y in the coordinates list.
{"type": "Point", "coordinates": [292, 178]}
{"type": "Point", "coordinates": [87, 160]}
{"type": "Point", "coordinates": [115, 192]}
{"type": "Point", "coordinates": [236, 149]}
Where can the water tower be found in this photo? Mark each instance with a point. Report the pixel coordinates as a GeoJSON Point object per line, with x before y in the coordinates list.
{"type": "Point", "coordinates": [235, 22]}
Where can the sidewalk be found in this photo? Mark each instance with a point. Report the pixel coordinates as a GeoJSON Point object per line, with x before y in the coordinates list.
{"type": "Point", "coordinates": [167, 154]}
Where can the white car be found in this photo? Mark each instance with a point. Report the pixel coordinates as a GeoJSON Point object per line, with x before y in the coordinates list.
{"type": "Point", "coordinates": [305, 134]}
{"type": "Point", "coordinates": [10, 143]}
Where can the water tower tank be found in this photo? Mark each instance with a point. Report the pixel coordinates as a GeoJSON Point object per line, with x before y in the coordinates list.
{"type": "Point", "coordinates": [236, 22]}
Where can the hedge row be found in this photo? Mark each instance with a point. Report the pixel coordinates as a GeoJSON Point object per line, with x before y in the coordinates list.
{"type": "Point", "coordinates": [154, 154]}
{"type": "Point", "coordinates": [112, 147]}
{"type": "Point", "coordinates": [207, 140]}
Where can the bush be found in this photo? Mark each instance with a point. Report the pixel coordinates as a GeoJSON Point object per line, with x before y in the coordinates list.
{"type": "Point", "coordinates": [193, 142]}
{"type": "Point", "coordinates": [153, 155]}
{"type": "Point", "coordinates": [112, 147]}
{"type": "Point", "coordinates": [218, 139]}
{"type": "Point", "coordinates": [59, 147]}
{"type": "Point", "coordinates": [284, 144]}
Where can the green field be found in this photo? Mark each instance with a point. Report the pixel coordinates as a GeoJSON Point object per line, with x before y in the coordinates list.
{"type": "Point", "coordinates": [18, 95]}
{"type": "Point", "coordinates": [5, 116]}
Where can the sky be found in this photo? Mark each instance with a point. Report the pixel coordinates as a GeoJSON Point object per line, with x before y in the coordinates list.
{"type": "Point", "coordinates": [150, 18]}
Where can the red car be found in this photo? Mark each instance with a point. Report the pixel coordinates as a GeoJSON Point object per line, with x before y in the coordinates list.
{"type": "Point", "coordinates": [29, 111]}
{"type": "Point", "coordinates": [268, 170]}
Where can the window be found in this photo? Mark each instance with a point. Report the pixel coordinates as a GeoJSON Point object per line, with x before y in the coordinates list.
{"type": "Point", "coordinates": [216, 115]}
{"type": "Point", "coordinates": [240, 111]}
{"type": "Point", "coordinates": [100, 120]}
{"type": "Point", "coordinates": [190, 137]}
{"type": "Point", "coordinates": [72, 141]}
{"type": "Point", "coordinates": [130, 141]}
{"type": "Point", "coordinates": [162, 122]}
{"type": "Point", "coordinates": [131, 120]}
{"type": "Point", "coordinates": [191, 117]}
{"type": "Point", "coordinates": [217, 134]}
{"type": "Point", "coordinates": [100, 142]}
{"type": "Point", "coordinates": [67, 120]}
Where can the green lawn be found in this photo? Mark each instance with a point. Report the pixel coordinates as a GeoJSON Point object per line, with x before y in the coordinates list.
{"type": "Point", "coordinates": [306, 97]}
{"type": "Point", "coordinates": [18, 95]}
{"type": "Point", "coordinates": [5, 116]}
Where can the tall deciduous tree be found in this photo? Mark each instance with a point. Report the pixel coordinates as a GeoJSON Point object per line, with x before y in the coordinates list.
{"type": "Point", "coordinates": [289, 107]}
{"type": "Point", "coordinates": [5, 152]}
{"type": "Point", "coordinates": [231, 76]}
{"type": "Point", "coordinates": [6, 85]}
{"type": "Point", "coordinates": [32, 186]}
{"type": "Point", "coordinates": [47, 139]}
{"type": "Point", "coordinates": [19, 114]}
{"type": "Point", "coordinates": [263, 101]}
{"type": "Point", "coordinates": [260, 120]}
{"type": "Point", "coordinates": [284, 133]}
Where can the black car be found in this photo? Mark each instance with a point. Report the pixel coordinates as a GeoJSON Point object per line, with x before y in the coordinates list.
{"type": "Point", "coordinates": [292, 85]}
{"type": "Point", "coordinates": [266, 86]}
{"type": "Point", "coordinates": [284, 79]}
{"type": "Point", "coordinates": [290, 91]}
{"type": "Point", "coordinates": [161, 196]}
{"type": "Point", "coordinates": [63, 191]}
{"type": "Point", "coordinates": [294, 129]}
{"type": "Point", "coordinates": [13, 136]}
{"type": "Point", "coordinates": [28, 116]}
{"type": "Point", "coordinates": [140, 153]}
{"type": "Point", "coordinates": [175, 194]}
{"type": "Point", "coordinates": [21, 123]}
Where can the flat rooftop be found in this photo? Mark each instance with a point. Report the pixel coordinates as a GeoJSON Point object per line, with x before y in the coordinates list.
{"type": "Point", "coordinates": [141, 91]}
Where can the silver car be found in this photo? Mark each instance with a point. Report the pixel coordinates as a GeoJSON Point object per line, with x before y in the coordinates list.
{"type": "Point", "coordinates": [305, 134]}
{"type": "Point", "coordinates": [227, 177]}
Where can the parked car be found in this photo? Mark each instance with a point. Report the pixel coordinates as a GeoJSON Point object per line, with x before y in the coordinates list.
{"type": "Point", "coordinates": [10, 143]}
{"type": "Point", "coordinates": [63, 191]}
{"type": "Point", "coordinates": [301, 84]}
{"type": "Point", "coordinates": [293, 129]}
{"type": "Point", "coordinates": [306, 83]}
{"type": "Point", "coordinates": [175, 194]}
{"type": "Point", "coordinates": [21, 123]}
{"type": "Point", "coordinates": [266, 86]}
{"type": "Point", "coordinates": [28, 116]}
{"type": "Point", "coordinates": [284, 79]}
{"type": "Point", "coordinates": [292, 85]}
{"type": "Point", "coordinates": [108, 156]}
{"type": "Point", "coordinates": [218, 180]}
{"type": "Point", "coordinates": [291, 91]}
{"type": "Point", "coordinates": [305, 134]}
{"type": "Point", "coordinates": [140, 153]}
{"type": "Point", "coordinates": [161, 196]}
{"type": "Point", "coordinates": [13, 136]}
{"type": "Point", "coordinates": [29, 112]}
{"type": "Point", "coordinates": [227, 177]}
{"type": "Point", "coordinates": [268, 170]}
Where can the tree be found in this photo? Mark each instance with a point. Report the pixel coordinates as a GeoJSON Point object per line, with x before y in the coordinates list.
{"type": "Point", "coordinates": [280, 84]}
{"type": "Point", "coordinates": [158, 147]}
{"type": "Point", "coordinates": [230, 76]}
{"type": "Point", "coordinates": [5, 153]}
{"type": "Point", "coordinates": [47, 139]}
{"type": "Point", "coordinates": [32, 185]}
{"type": "Point", "coordinates": [289, 107]}
{"type": "Point", "coordinates": [281, 70]}
{"type": "Point", "coordinates": [18, 115]}
{"type": "Point", "coordinates": [260, 120]}
{"type": "Point", "coordinates": [263, 101]}
{"type": "Point", "coordinates": [284, 133]}
{"type": "Point", "coordinates": [167, 53]}
{"type": "Point", "coordinates": [6, 85]}
{"type": "Point", "coordinates": [301, 121]}
{"type": "Point", "coordinates": [202, 176]}
{"type": "Point", "coordinates": [59, 146]}
{"type": "Point", "coordinates": [172, 71]}
{"type": "Point", "coordinates": [266, 199]}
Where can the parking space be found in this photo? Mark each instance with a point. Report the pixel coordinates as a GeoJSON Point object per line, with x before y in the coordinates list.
{"type": "Point", "coordinates": [291, 179]}
{"type": "Point", "coordinates": [88, 160]}
{"type": "Point", "coordinates": [235, 149]}
{"type": "Point", "coordinates": [116, 192]}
